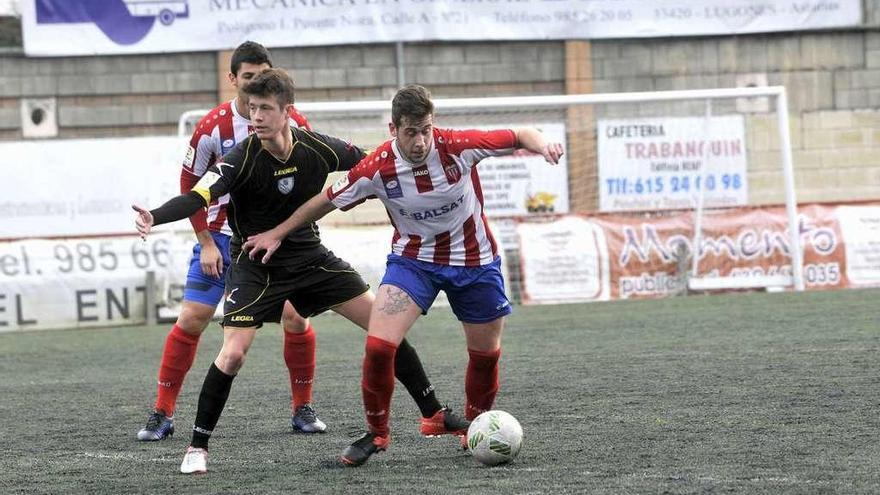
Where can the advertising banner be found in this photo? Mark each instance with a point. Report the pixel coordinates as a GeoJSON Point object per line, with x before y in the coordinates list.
{"type": "Point", "coordinates": [658, 163]}
{"type": "Point", "coordinates": [90, 27]}
{"type": "Point", "coordinates": [651, 257]}
{"type": "Point", "coordinates": [87, 282]}
{"type": "Point", "coordinates": [524, 183]}
{"type": "Point", "coordinates": [71, 283]}
{"type": "Point", "coordinates": [564, 261]}
{"type": "Point", "coordinates": [77, 187]}
{"type": "Point", "coordinates": [860, 226]}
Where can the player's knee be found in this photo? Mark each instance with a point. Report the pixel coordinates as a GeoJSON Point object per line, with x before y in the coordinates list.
{"type": "Point", "coordinates": [231, 360]}
{"type": "Point", "coordinates": [294, 323]}
{"type": "Point", "coordinates": [194, 320]}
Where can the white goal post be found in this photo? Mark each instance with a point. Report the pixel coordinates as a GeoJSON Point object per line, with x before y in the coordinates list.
{"type": "Point", "coordinates": [347, 114]}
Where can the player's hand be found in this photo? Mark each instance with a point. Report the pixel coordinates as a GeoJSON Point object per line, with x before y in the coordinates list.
{"type": "Point", "coordinates": [211, 260]}
{"type": "Point", "coordinates": [264, 241]}
{"type": "Point", "coordinates": [143, 222]}
{"type": "Point", "coordinates": [552, 152]}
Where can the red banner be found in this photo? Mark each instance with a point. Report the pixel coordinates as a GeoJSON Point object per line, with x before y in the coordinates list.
{"type": "Point", "coordinates": [652, 257]}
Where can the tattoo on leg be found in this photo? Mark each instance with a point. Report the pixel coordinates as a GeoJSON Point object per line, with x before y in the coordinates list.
{"type": "Point", "coordinates": [397, 302]}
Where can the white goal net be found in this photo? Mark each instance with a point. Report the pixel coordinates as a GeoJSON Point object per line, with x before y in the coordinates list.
{"type": "Point", "coordinates": [628, 156]}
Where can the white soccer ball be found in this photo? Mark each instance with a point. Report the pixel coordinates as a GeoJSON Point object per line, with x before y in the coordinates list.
{"type": "Point", "coordinates": [494, 437]}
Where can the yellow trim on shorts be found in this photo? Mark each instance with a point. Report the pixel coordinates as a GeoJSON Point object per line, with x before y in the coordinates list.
{"type": "Point", "coordinates": [268, 283]}
{"type": "Point", "coordinates": [337, 271]}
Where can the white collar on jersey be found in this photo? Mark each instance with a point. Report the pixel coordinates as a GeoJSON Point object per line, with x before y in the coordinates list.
{"type": "Point", "coordinates": [402, 157]}
{"type": "Point", "coordinates": [234, 106]}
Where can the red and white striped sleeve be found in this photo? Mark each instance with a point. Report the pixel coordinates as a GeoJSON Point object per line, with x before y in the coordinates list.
{"type": "Point", "coordinates": [200, 154]}
{"type": "Point", "coordinates": [473, 145]}
{"type": "Point", "coordinates": [359, 183]}
{"type": "Point", "coordinates": [301, 121]}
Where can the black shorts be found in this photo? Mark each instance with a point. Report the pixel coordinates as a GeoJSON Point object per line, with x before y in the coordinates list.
{"type": "Point", "coordinates": [255, 293]}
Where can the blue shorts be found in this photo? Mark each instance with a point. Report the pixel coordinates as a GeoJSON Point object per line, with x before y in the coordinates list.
{"type": "Point", "coordinates": [476, 293]}
{"type": "Point", "coordinates": [202, 288]}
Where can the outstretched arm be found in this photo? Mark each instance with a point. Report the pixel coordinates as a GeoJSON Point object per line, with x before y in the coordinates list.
{"type": "Point", "coordinates": [533, 140]}
{"type": "Point", "coordinates": [176, 208]}
{"type": "Point", "coordinates": [314, 209]}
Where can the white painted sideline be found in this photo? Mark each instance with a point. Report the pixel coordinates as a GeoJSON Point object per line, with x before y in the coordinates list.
{"type": "Point", "coordinates": [756, 282]}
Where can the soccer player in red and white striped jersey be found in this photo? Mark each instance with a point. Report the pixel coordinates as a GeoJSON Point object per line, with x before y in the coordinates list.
{"type": "Point", "coordinates": [427, 179]}
{"type": "Point", "coordinates": [215, 135]}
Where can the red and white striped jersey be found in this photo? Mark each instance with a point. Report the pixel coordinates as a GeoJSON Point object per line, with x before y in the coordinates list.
{"type": "Point", "coordinates": [436, 207]}
{"type": "Point", "coordinates": [215, 135]}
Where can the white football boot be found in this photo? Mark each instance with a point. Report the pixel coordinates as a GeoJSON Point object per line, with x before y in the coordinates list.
{"type": "Point", "coordinates": [195, 461]}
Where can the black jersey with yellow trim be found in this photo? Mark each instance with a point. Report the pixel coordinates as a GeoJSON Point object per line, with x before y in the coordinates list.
{"type": "Point", "coordinates": [265, 190]}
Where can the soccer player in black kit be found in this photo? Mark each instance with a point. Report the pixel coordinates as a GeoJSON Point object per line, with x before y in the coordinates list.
{"type": "Point", "coordinates": [268, 176]}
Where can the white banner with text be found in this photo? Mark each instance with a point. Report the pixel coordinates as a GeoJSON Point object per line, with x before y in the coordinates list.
{"type": "Point", "coordinates": [524, 183]}
{"type": "Point", "coordinates": [666, 163]}
{"type": "Point", "coordinates": [84, 187]}
{"type": "Point", "coordinates": [90, 27]}
{"type": "Point", "coordinates": [71, 283]}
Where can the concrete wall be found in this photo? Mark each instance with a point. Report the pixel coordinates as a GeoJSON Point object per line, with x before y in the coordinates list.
{"type": "Point", "coordinates": [833, 79]}
{"type": "Point", "coordinates": [108, 96]}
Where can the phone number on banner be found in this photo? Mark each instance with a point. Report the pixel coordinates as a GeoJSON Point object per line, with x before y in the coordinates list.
{"type": "Point", "coordinates": [93, 256]}
{"type": "Point", "coordinates": [672, 184]}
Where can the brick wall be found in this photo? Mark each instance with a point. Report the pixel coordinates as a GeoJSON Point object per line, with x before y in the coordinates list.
{"type": "Point", "coordinates": [108, 96]}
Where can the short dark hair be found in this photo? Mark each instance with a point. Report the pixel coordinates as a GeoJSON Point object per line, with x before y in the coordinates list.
{"type": "Point", "coordinates": [249, 52]}
{"type": "Point", "coordinates": [412, 101]}
{"type": "Point", "coordinates": [272, 82]}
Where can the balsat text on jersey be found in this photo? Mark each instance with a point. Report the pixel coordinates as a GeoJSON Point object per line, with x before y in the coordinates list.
{"type": "Point", "coordinates": [434, 212]}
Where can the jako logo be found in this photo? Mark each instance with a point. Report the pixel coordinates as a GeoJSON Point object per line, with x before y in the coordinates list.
{"type": "Point", "coordinates": [124, 21]}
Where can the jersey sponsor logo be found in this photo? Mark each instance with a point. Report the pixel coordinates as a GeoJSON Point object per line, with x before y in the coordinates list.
{"type": "Point", "coordinates": [125, 22]}
{"type": "Point", "coordinates": [285, 185]}
{"type": "Point", "coordinates": [339, 186]}
{"type": "Point", "coordinates": [189, 158]}
{"type": "Point", "coordinates": [284, 171]}
{"type": "Point", "coordinates": [227, 145]}
{"type": "Point", "coordinates": [433, 212]}
{"type": "Point", "coordinates": [393, 189]}
{"type": "Point", "coordinates": [419, 173]}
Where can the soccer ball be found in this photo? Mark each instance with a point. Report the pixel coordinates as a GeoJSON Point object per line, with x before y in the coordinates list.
{"type": "Point", "coordinates": [494, 437]}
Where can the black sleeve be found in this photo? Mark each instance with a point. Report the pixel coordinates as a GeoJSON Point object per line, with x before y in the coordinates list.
{"type": "Point", "coordinates": [338, 154]}
{"type": "Point", "coordinates": [178, 208]}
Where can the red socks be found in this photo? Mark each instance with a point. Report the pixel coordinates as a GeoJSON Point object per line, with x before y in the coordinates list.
{"type": "Point", "coordinates": [480, 382]}
{"type": "Point", "coordinates": [299, 355]}
{"type": "Point", "coordinates": [377, 384]}
{"type": "Point", "coordinates": [177, 357]}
